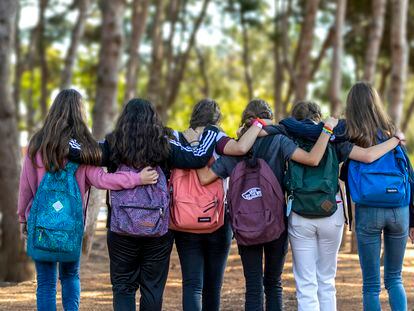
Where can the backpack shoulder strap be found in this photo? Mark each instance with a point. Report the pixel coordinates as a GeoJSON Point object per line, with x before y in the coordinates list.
{"type": "Point", "coordinates": [71, 167]}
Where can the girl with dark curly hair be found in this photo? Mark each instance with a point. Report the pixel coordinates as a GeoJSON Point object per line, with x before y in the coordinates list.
{"type": "Point", "coordinates": [49, 150]}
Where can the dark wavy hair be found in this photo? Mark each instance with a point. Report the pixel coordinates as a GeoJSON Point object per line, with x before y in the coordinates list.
{"type": "Point", "coordinates": [64, 121]}
{"type": "Point", "coordinates": [205, 112]}
{"type": "Point", "coordinates": [256, 108]}
{"type": "Point", "coordinates": [139, 139]}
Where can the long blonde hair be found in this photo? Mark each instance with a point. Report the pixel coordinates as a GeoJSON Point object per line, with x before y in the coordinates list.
{"type": "Point", "coordinates": [366, 116]}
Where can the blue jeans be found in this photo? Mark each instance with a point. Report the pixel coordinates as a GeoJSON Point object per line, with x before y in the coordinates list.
{"type": "Point", "coordinates": [203, 260]}
{"type": "Point", "coordinates": [370, 223]}
{"type": "Point", "coordinates": [47, 282]}
{"type": "Point", "coordinates": [268, 280]}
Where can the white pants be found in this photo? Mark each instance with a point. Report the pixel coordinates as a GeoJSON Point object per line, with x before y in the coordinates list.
{"type": "Point", "coordinates": [315, 244]}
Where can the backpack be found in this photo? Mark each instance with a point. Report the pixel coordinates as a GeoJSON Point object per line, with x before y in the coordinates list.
{"type": "Point", "coordinates": [55, 224]}
{"type": "Point", "coordinates": [195, 208]}
{"type": "Point", "coordinates": [382, 183]}
{"type": "Point", "coordinates": [256, 203]}
{"type": "Point", "coordinates": [142, 211]}
{"type": "Point", "coordinates": [312, 190]}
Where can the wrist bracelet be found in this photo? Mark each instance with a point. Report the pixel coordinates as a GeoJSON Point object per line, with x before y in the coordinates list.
{"type": "Point", "coordinates": [262, 122]}
{"type": "Point", "coordinates": [326, 131]}
{"type": "Point", "coordinates": [328, 128]}
{"type": "Point", "coordinates": [257, 123]}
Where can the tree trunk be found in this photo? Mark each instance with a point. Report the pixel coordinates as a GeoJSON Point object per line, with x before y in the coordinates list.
{"type": "Point", "coordinates": [408, 115]}
{"type": "Point", "coordinates": [205, 90]}
{"type": "Point", "coordinates": [14, 262]}
{"type": "Point", "coordinates": [105, 108]}
{"type": "Point", "coordinates": [18, 71]}
{"type": "Point", "coordinates": [174, 87]}
{"type": "Point", "coordinates": [305, 48]}
{"type": "Point", "coordinates": [374, 40]}
{"type": "Point", "coordinates": [246, 57]}
{"type": "Point", "coordinates": [42, 46]}
{"type": "Point", "coordinates": [399, 58]}
{"type": "Point", "coordinates": [155, 71]}
{"type": "Point", "coordinates": [176, 8]}
{"type": "Point", "coordinates": [278, 66]}
{"type": "Point", "coordinates": [77, 33]}
{"type": "Point", "coordinates": [325, 46]}
{"type": "Point", "coordinates": [336, 72]}
{"type": "Point", "coordinates": [385, 73]}
{"type": "Point", "coordinates": [139, 20]}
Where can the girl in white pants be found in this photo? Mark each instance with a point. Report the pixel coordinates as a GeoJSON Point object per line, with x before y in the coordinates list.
{"type": "Point", "coordinates": [315, 242]}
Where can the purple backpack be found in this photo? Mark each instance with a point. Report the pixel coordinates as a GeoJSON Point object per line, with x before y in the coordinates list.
{"type": "Point", "coordinates": [142, 211]}
{"type": "Point", "coordinates": [256, 203]}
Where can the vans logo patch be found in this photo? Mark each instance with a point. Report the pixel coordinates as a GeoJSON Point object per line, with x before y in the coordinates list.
{"type": "Point", "coordinates": [391, 190]}
{"type": "Point", "coordinates": [252, 193]}
{"type": "Point", "coordinates": [57, 206]}
{"type": "Point", "coordinates": [204, 219]}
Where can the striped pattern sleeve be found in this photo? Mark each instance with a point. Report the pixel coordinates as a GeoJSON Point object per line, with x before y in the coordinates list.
{"type": "Point", "coordinates": [186, 157]}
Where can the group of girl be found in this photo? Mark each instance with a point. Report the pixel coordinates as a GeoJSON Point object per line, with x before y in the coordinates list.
{"type": "Point", "coordinates": [141, 141]}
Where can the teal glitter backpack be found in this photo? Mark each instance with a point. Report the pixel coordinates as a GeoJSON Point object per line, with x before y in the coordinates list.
{"type": "Point", "coordinates": [55, 224]}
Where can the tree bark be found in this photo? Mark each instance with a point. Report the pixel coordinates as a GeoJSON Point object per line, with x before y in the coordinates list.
{"type": "Point", "coordinates": [174, 87]}
{"type": "Point", "coordinates": [278, 66]}
{"type": "Point", "coordinates": [139, 20]}
{"type": "Point", "coordinates": [18, 71]}
{"type": "Point", "coordinates": [305, 48]}
{"type": "Point", "coordinates": [205, 90]}
{"type": "Point", "coordinates": [246, 56]}
{"type": "Point", "coordinates": [325, 46]}
{"type": "Point", "coordinates": [14, 262]}
{"type": "Point", "coordinates": [105, 108]}
{"type": "Point", "coordinates": [155, 71]}
{"type": "Point", "coordinates": [399, 58]}
{"type": "Point", "coordinates": [77, 33]}
{"type": "Point", "coordinates": [336, 72]}
{"type": "Point", "coordinates": [385, 73]}
{"type": "Point", "coordinates": [42, 46]}
{"type": "Point", "coordinates": [408, 116]}
{"type": "Point", "coordinates": [374, 40]}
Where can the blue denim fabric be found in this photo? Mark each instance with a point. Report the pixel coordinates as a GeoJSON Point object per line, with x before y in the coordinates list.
{"type": "Point", "coordinates": [370, 223]}
{"type": "Point", "coordinates": [47, 282]}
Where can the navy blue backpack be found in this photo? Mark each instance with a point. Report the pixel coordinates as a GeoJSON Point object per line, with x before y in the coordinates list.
{"type": "Point", "coordinates": [383, 183]}
{"type": "Point", "coordinates": [55, 224]}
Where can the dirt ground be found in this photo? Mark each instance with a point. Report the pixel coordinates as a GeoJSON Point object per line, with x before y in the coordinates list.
{"type": "Point", "coordinates": [97, 295]}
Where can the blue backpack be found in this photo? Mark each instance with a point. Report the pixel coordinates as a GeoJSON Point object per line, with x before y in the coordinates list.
{"type": "Point", "coordinates": [383, 183]}
{"type": "Point", "coordinates": [55, 224]}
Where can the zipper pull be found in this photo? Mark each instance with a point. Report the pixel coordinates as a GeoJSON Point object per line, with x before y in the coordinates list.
{"type": "Point", "coordinates": [161, 213]}
{"type": "Point", "coordinates": [40, 235]}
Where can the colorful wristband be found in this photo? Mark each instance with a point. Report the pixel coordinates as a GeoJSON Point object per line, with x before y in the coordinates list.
{"type": "Point", "coordinates": [262, 122]}
{"type": "Point", "coordinates": [327, 131]}
{"type": "Point", "coordinates": [258, 124]}
{"type": "Point", "coordinates": [328, 127]}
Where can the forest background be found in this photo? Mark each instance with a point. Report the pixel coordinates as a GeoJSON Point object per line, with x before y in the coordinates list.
{"type": "Point", "coordinates": [180, 51]}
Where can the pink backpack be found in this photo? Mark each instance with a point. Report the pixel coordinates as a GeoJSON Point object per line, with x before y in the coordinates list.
{"type": "Point", "coordinates": [195, 208]}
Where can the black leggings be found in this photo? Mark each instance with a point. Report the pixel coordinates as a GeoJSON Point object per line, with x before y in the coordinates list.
{"type": "Point", "coordinates": [139, 263]}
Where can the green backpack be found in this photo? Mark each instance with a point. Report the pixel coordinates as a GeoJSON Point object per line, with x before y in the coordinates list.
{"type": "Point", "coordinates": [312, 190]}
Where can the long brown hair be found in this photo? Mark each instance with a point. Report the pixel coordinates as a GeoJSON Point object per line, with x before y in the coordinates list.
{"type": "Point", "coordinates": [205, 112]}
{"type": "Point", "coordinates": [139, 139]}
{"type": "Point", "coordinates": [366, 116]}
{"type": "Point", "coordinates": [64, 121]}
{"type": "Point", "coordinates": [256, 108]}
